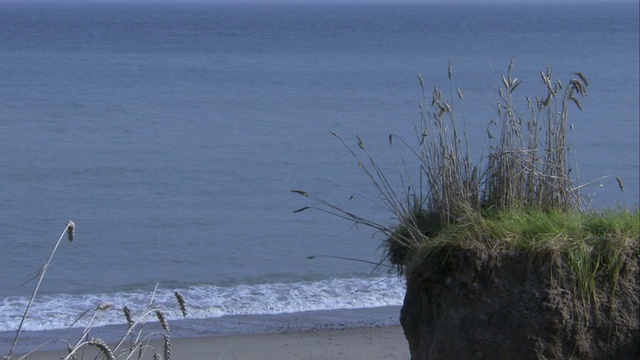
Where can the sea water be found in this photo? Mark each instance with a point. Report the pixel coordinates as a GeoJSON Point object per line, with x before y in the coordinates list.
{"type": "Point", "coordinates": [172, 135]}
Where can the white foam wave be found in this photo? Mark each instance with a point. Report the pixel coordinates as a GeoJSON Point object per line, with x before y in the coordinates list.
{"type": "Point", "coordinates": [204, 301]}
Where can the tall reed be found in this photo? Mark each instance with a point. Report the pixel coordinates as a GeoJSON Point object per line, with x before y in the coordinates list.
{"type": "Point", "coordinates": [526, 166]}
{"type": "Point", "coordinates": [452, 179]}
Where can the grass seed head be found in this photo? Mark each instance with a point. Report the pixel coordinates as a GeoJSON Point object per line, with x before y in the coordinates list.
{"type": "Point", "coordinates": [102, 346]}
{"type": "Point", "coordinates": [181, 303]}
{"type": "Point", "coordinates": [71, 230]}
{"type": "Point", "coordinates": [167, 347]}
{"type": "Point", "coordinates": [127, 315]}
{"type": "Point", "coordinates": [163, 320]}
{"type": "Point", "coordinates": [620, 184]}
{"type": "Point", "coordinates": [103, 307]}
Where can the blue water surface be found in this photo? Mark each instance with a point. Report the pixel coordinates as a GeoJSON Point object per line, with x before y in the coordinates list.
{"type": "Point", "coordinates": [172, 136]}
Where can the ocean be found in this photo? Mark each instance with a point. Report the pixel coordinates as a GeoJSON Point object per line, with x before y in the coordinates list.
{"type": "Point", "coordinates": [172, 135]}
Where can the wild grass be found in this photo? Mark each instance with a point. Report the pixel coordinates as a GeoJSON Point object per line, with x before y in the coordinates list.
{"type": "Point", "coordinates": [520, 196]}
{"type": "Point", "coordinates": [135, 343]}
{"type": "Point", "coordinates": [589, 244]}
{"type": "Point", "coordinates": [526, 167]}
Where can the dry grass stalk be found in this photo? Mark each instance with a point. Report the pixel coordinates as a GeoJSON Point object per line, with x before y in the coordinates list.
{"type": "Point", "coordinates": [138, 341]}
{"type": "Point", "coordinates": [521, 173]}
{"type": "Point", "coordinates": [70, 351]}
{"type": "Point", "coordinates": [69, 228]}
{"type": "Point", "coordinates": [451, 177]}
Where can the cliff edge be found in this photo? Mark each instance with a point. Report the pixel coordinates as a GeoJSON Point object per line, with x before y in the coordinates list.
{"type": "Point", "coordinates": [470, 304]}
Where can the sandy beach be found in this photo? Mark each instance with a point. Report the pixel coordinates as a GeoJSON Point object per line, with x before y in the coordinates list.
{"type": "Point", "coordinates": [383, 342]}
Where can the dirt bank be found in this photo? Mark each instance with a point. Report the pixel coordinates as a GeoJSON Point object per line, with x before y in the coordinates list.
{"type": "Point", "coordinates": [468, 304]}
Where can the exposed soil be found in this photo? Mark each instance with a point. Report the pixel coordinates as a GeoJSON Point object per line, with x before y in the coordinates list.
{"type": "Point", "coordinates": [469, 304]}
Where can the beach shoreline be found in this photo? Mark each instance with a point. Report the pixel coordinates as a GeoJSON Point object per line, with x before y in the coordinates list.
{"type": "Point", "coordinates": [378, 342]}
{"type": "Point", "coordinates": [373, 333]}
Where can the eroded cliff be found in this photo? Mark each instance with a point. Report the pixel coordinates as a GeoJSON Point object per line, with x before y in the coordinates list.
{"type": "Point", "coordinates": [470, 304]}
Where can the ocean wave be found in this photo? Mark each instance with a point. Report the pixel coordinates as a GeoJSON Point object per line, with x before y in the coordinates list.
{"type": "Point", "coordinates": [203, 301]}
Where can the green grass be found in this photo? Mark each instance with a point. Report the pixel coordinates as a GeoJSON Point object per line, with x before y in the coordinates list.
{"type": "Point", "coordinates": [592, 246]}
{"type": "Point", "coordinates": [591, 243]}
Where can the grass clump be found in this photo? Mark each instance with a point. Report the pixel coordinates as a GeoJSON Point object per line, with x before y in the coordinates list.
{"type": "Point", "coordinates": [590, 245]}
{"type": "Point", "coordinates": [519, 197]}
{"type": "Point", "coordinates": [526, 167]}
